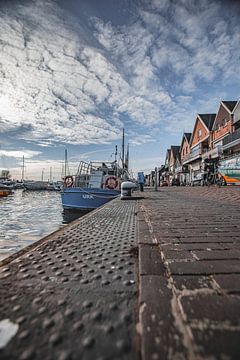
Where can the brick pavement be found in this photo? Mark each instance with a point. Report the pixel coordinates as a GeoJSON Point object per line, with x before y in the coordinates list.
{"type": "Point", "coordinates": [189, 246]}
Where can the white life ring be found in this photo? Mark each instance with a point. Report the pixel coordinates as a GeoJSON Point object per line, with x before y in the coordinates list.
{"type": "Point", "coordinates": [111, 182]}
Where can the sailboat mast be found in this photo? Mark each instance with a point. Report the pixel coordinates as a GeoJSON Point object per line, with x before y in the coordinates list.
{"type": "Point", "coordinates": [123, 150]}
{"type": "Point", "coordinates": [127, 158]}
{"type": "Point", "coordinates": [23, 169]}
{"type": "Point", "coordinates": [65, 164]}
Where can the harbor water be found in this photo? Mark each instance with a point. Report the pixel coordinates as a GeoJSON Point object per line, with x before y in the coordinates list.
{"type": "Point", "coordinates": [27, 216]}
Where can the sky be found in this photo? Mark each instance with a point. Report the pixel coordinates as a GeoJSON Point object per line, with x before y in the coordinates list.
{"type": "Point", "coordinates": [74, 73]}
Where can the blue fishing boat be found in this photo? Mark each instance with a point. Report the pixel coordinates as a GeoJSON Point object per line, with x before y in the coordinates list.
{"type": "Point", "coordinates": [94, 185]}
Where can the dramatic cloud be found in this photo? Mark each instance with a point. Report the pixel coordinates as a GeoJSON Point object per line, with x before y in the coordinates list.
{"type": "Point", "coordinates": [28, 154]}
{"type": "Point", "coordinates": [75, 77]}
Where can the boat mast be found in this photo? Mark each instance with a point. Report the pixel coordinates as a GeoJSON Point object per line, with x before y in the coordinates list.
{"type": "Point", "coordinates": [127, 158]}
{"type": "Point", "coordinates": [115, 161]}
{"type": "Point", "coordinates": [65, 164]}
{"type": "Point", "coordinates": [23, 166]}
{"type": "Point", "coordinates": [123, 151]}
{"type": "Point", "coordinates": [115, 155]}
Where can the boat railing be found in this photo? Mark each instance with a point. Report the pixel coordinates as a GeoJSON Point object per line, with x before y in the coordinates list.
{"type": "Point", "coordinates": [94, 174]}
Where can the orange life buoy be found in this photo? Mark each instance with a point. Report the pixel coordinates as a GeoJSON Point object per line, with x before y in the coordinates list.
{"type": "Point", "coordinates": [68, 181]}
{"type": "Point", "coordinates": [111, 182]}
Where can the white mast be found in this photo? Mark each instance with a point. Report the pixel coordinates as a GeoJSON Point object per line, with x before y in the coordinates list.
{"type": "Point", "coordinates": [23, 166]}
{"type": "Point", "coordinates": [65, 164]}
{"type": "Point", "coordinates": [123, 154]}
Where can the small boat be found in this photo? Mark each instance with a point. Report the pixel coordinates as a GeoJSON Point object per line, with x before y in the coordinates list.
{"type": "Point", "coordinates": [42, 185]}
{"type": "Point", "coordinates": [5, 190]}
{"type": "Point", "coordinates": [95, 184]}
{"type": "Point", "coordinates": [35, 185]}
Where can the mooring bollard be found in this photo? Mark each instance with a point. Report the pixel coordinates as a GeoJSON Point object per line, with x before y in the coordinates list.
{"type": "Point", "coordinates": [126, 189]}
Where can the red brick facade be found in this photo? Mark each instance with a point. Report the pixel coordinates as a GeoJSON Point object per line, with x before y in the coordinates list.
{"type": "Point", "coordinates": [185, 148]}
{"type": "Point", "coordinates": [200, 133]}
{"type": "Point", "coordinates": [222, 124]}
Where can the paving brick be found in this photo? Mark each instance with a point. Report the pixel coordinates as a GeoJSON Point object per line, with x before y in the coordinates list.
{"type": "Point", "coordinates": [192, 282]}
{"type": "Point", "coordinates": [214, 307]}
{"type": "Point", "coordinates": [218, 344]}
{"type": "Point", "coordinates": [178, 254]}
{"type": "Point", "coordinates": [198, 240]}
{"type": "Point", "coordinates": [221, 255]}
{"type": "Point", "coordinates": [144, 236]}
{"type": "Point", "coordinates": [206, 267]}
{"type": "Point", "coordinates": [160, 337]}
{"type": "Point", "coordinates": [199, 246]}
{"type": "Point", "coordinates": [150, 262]}
{"type": "Point", "coordinates": [230, 283]}
{"type": "Point", "coordinates": [200, 232]}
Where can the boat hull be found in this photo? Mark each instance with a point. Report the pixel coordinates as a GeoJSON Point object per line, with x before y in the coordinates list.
{"type": "Point", "coordinates": [86, 199]}
{"type": "Point", "coordinates": [5, 192]}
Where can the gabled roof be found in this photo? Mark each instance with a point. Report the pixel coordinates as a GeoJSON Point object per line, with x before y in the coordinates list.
{"type": "Point", "coordinates": [230, 105]}
{"type": "Point", "coordinates": [208, 120]}
{"type": "Point", "coordinates": [167, 155]}
{"type": "Point", "coordinates": [186, 136]}
{"type": "Point", "coordinates": [175, 150]}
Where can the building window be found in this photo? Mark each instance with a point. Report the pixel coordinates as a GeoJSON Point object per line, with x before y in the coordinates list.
{"type": "Point", "coordinates": [199, 132]}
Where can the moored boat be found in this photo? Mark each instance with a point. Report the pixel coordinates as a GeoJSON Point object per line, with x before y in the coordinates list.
{"type": "Point", "coordinates": [35, 185]}
{"type": "Point", "coordinates": [41, 185]}
{"type": "Point", "coordinates": [5, 190]}
{"type": "Point", "coordinates": [94, 185]}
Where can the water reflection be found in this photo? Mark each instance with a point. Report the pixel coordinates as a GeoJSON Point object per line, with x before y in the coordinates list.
{"type": "Point", "coordinates": [27, 216]}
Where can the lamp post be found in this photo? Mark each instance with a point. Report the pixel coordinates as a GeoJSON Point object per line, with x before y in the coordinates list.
{"type": "Point", "coordinates": [156, 180]}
